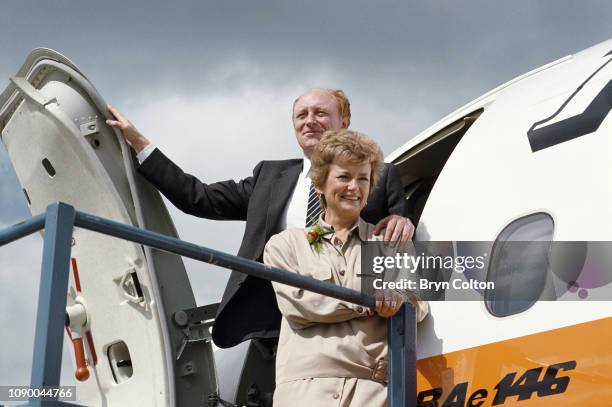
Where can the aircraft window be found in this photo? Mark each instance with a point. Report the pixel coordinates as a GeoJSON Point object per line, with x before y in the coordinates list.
{"type": "Point", "coordinates": [519, 264]}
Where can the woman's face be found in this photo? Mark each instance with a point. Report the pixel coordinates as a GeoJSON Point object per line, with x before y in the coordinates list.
{"type": "Point", "coordinates": [346, 188]}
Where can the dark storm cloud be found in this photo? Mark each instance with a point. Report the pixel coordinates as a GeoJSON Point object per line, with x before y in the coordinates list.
{"type": "Point", "coordinates": [418, 47]}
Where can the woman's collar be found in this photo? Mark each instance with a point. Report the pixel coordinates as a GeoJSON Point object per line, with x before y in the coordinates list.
{"type": "Point", "coordinates": [360, 225]}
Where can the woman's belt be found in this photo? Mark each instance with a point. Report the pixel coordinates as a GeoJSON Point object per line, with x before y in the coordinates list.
{"type": "Point", "coordinates": [379, 371]}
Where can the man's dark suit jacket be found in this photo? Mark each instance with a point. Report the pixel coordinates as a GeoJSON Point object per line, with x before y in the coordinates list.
{"type": "Point", "coordinates": [248, 308]}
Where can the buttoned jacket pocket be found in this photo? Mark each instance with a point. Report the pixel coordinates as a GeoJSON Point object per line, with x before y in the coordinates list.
{"type": "Point", "coordinates": [321, 271]}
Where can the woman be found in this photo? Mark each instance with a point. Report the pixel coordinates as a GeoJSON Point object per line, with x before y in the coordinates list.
{"type": "Point", "coordinates": [332, 352]}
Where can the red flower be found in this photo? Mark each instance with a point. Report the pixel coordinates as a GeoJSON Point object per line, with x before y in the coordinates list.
{"type": "Point", "coordinates": [315, 237]}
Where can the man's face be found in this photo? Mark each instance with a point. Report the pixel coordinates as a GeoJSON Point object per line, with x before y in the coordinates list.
{"type": "Point", "coordinates": [315, 112]}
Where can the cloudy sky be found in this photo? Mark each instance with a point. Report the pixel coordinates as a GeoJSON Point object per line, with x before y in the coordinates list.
{"type": "Point", "coordinates": [211, 83]}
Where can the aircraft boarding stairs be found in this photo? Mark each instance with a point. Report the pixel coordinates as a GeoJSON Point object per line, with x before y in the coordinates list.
{"type": "Point", "coordinates": [58, 223]}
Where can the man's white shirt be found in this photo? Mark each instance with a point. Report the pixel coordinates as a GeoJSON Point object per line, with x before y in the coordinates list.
{"type": "Point", "coordinates": [294, 215]}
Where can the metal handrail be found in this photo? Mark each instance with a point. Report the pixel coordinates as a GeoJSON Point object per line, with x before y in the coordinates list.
{"type": "Point", "coordinates": [58, 222]}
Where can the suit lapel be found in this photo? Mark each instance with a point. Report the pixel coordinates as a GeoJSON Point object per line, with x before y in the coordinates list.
{"type": "Point", "coordinates": [280, 192]}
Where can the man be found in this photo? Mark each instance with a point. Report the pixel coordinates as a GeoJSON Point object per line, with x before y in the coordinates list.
{"type": "Point", "coordinates": [277, 196]}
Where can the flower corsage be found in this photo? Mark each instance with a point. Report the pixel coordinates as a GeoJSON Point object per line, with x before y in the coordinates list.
{"type": "Point", "coordinates": [315, 237]}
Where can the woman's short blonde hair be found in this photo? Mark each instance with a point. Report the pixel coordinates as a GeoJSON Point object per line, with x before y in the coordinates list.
{"type": "Point", "coordinates": [348, 146]}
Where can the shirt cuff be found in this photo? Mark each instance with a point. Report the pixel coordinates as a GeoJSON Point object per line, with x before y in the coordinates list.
{"type": "Point", "coordinates": [145, 152]}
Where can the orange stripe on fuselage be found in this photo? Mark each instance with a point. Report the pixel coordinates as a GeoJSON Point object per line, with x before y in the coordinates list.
{"type": "Point", "coordinates": [477, 371]}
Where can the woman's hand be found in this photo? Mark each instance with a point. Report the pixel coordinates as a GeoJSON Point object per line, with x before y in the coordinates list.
{"type": "Point", "coordinates": [131, 134]}
{"type": "Point", "coordinates": [388, 302]}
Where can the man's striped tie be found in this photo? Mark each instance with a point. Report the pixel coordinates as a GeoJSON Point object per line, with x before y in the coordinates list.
{"type": "Point", "coordinates": [314, 207]}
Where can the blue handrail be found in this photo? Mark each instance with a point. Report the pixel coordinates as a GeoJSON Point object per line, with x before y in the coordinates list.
{"type": "Point", "coordinates": [59, 221]}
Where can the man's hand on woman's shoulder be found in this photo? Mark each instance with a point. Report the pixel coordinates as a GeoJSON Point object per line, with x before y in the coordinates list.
{"type": "Point", "coordinates": [398, 229]}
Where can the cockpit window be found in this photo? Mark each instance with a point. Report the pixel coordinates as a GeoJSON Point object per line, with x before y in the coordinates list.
{"type": "Point", "coordinates": [519, 264]}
